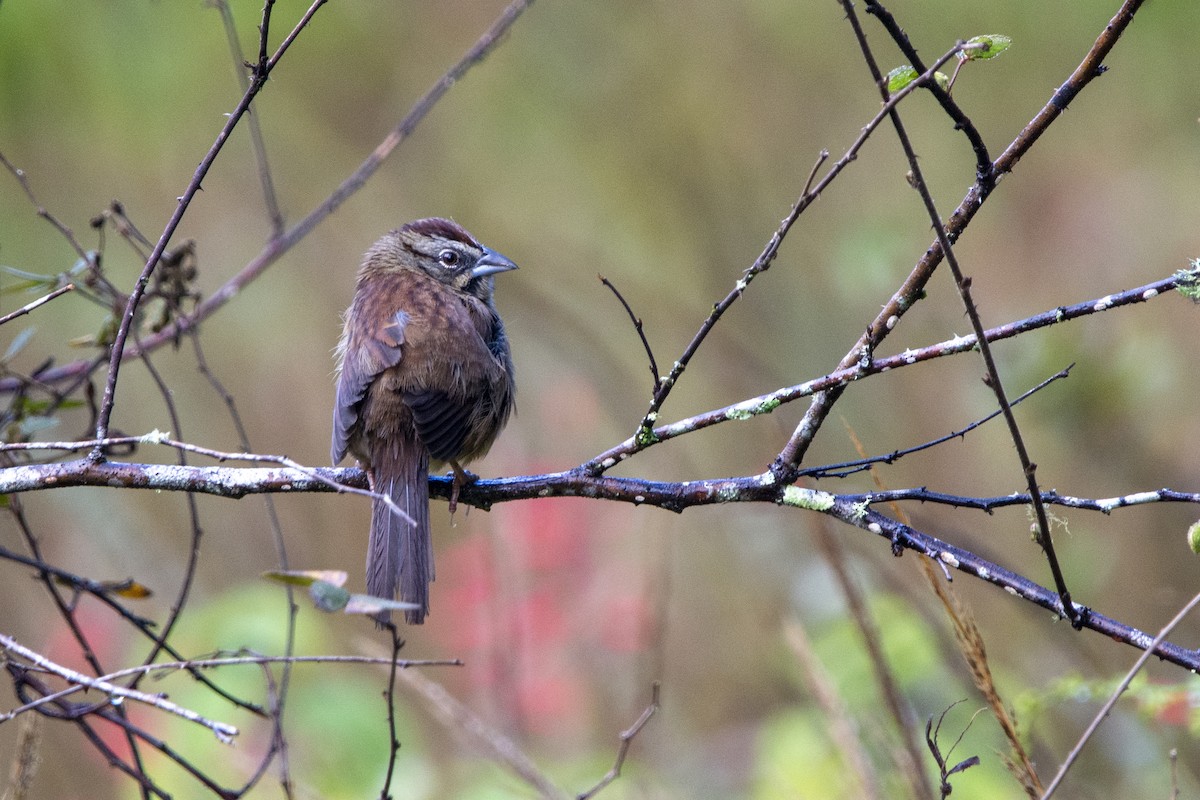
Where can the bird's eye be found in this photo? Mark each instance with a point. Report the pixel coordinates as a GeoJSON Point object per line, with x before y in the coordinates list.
{"type": "Point", "coordinates": [448, 258]}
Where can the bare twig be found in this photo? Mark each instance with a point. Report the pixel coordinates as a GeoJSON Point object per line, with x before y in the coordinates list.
{"type": "Point", "coordinates": [459, 719]}
{"type": "Point", "coordinates": [637, 324]}
{"type": "Point", "coordinates": [25, 309]}
{"type": "Point", "coordinates": [944, 769]}
{"type": "Point", "coordinates": [1104, 711]}
{"type": "Point", "coordinates": [135, 296]}
{"type": "Point", "coordinates": [67, 233]}
{"type": "Point", "coordinates": [224, 732]}
{"type": "Point", "coordinates": [627, 737]}
{"type": "Point", "coordinates": [274, 214]}
{"type": "Point", "coordinates": [903, 299]}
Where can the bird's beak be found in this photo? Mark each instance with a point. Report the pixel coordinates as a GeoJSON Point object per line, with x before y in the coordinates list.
{"type": "Point", "coordinates": [491, 263]}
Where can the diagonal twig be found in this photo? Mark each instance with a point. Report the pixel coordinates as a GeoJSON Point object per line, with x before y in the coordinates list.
{"type": "Point", "coordinates": [637, 324]}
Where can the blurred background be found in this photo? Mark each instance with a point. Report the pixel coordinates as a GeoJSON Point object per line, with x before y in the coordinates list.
{"type": "Point", "coordinates": [657, 144]}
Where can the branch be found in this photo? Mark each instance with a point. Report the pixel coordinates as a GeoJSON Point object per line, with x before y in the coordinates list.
{"type": "Point", "coordinates": [223, 731]}
{"type": "Point", "coordinates": [1116, 695]}
{"type": "Point", "coordinates": [135, 296]}
{"type": "Point", "coordinates": [627, 737]}
{"type": "Point", "coordinates": [25, 309]}
{"type": "Point", "coordinates": [766, 403]}
{"type": "Point", "coordinates": [278, 246]}
{"type": "Point", "coordinates": [914, 285]}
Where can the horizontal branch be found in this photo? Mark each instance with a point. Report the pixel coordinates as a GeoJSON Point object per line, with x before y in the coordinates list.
{"type": "Point", "coordinates": [852, 509]}
{"type": "Point", "coordinates": [766, 403]}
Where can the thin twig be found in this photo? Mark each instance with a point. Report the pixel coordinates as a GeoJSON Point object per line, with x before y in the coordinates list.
{"type": "Point", "coordinates": [257, 143]}
{"type": "Point", "coordinates": [184, 202]}
{"type": "Point", "coordinates": [456, 717]}
{"type": "Point", "coordinates": [67, 233]}
{"type": "Point", "coordinates": [914, 285]}
{"type": "Point", "coordinates": [857, 370]}
{"type": "Point", "coordinates": [25, 309]}
{"type": "Point", "coordinates": [847, 468]}
{"type": "Point", "coordinates": [223, 731]}
{"type": "Point", "coordinates": [1104, 711]}
{"type": "Point", "coordinates": [627, 737]}
{"type": "Point", "coordinates": [637, 324]}
{"type": "Point", "coordinates": [983, 161]}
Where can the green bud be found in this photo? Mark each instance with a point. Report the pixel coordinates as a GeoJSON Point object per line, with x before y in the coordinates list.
{"type": "Point", "coordinates": [1194, 537]}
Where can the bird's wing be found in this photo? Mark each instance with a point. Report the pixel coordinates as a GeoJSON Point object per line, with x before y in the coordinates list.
{"type": "Point", "coordinates": [442, 421]}
{"type": "Point", "coordinates": [362, 361]}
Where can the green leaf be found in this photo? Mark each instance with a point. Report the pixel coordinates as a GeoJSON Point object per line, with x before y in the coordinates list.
{"type": "Point", "coordinates": [1193, 537]}
{"type": "Point", "coordinates": [307, 577]}
{"type": "Point", "coordinates": [900, 77]}
{"type": "Point", "coordinates": [989, 45]}
{"type": "Point", "coordinates": [327, 597]}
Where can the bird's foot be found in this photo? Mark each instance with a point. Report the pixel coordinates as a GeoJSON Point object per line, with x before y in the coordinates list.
{"type": "Point", "coordinates": [462, 478]}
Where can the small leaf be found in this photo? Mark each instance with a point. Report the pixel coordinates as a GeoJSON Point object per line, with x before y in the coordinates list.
{"type": "Point", "coordinates": [989, 45]}
{"type": "Point", "coordinates": [966, 764]}
{"type": "Point", "coordinates": [900, 77]}
{"type": "Point", "coordinates": [131, 590]}
{"type": "Point", "coordinates": [1193, 537]}
{"type": "Point", "coordinates": [328, 597]}
{"type": "Point", "coordinates": [29, 281]}
{"type": "Point", "coordinates": [18, 343]}
{"type": "Point", "coordinates": [32, 424]}
{"type": "Point", "coordinates": [367, 604]}
{"type": "Point", "coordinates": [307, 577]}
{"type": "Point", "coordinates": [128, 588]}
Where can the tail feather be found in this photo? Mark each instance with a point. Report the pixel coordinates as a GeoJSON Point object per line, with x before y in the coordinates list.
{"type": "Point", "coordinates": [400, 554]}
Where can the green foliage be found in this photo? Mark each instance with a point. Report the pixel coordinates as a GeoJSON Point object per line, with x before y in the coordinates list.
{"type": "Point", "coordinates": [900, 77]}
{"type": "Point", "coordinates": [1187, 281]}
{"type": "Point", "coordinates": [1162, 703]}
{"type": "Point", "coordinates": [989, 45]}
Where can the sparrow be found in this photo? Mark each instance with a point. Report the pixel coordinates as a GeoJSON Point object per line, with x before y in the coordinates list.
{"type": "Point", "coordinates": [424, 376]}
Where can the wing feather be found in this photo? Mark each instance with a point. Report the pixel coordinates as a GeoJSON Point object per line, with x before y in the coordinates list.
{"type": "Point", "coordinates": [361, 363]}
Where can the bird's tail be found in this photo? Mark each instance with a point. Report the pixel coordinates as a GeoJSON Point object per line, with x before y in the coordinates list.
{"type": "Point", "coordinates": [400, 554]}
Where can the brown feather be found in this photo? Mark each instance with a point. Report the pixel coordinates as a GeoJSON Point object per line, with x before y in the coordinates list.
{"type": "Point", "coordinates": [424, 374]}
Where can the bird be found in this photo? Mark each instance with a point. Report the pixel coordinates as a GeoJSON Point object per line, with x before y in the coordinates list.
{"type": "Point", "coordinates": [424, 375]}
